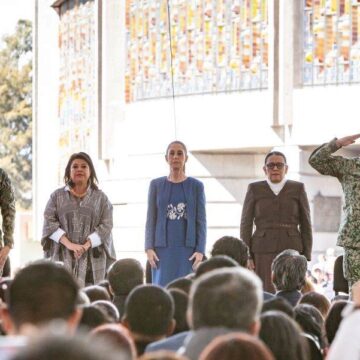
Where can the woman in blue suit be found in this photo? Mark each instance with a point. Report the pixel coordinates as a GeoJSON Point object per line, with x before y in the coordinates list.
{"type": "Point", "coordinates": [175, 233]}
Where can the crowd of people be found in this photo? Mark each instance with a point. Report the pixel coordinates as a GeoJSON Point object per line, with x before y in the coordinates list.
{"type": "Point", "coordinates": [248, 299]}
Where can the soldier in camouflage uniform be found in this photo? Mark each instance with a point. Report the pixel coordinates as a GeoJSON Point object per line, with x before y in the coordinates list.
{"type": "Point", "coordinates": [7, 205]}
{"type": "Point", "coordinates": [347, 171]}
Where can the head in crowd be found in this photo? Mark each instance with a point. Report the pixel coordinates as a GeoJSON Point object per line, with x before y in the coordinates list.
{"type": "Point", "coordinates": [93, 180]}
{"type": "Point", "coordinates": [278, 304]}
{"type": "Point", "coordinates": [215, 262]}
{"type": "Point", "coordinates": [308, 285]}
{"type": "Point", "coordinates": [334, 318]}
{"type": "Point", "coordinates": [82, 299]}
{"type": "Point", "coordinates": [289, 270]}
{"type": "Point", "coordinates": [283, 337]}
{"type": "Point", "coordinates": [275, 167]}
{"type": "Point", "coordinates": [92, 317]}
{"type": "Point", "coordinates": [118, 337]}
{"type": "Point", "coordinates": [229, 297]}
{"type": "Point", "coordinates": [320, 301]}
{"type": "Point", "coordinates": [41, 292]}
{"type": "Point", "coordinates": [232, 247]}
{"type": "Point", "coordinates": [4, 289]}
{"type": "Point", "coordinates": [182, 283]}
{"type": "Point", "coordinates": [312, 323]}
{"type": "Point", "coordinates": [96, 292]}
{"type": "Point", "coordinates": [56, 347]}
{"type": "Point", "coordinates": [181, 300]}
{"type": "Point", "coordinates": [124, 275]}
{"type": "Point", "coordinates": [162, 355]}
{"type": "Point", "coordinates": [109, 309]}
{"type": "Point", "coordinates": [236, 346]}
{"type": "Point", "coordinates": [149, 312]}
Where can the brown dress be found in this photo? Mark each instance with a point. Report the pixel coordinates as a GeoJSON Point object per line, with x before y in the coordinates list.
{"type": "Point", "coordinates": [281, 222]}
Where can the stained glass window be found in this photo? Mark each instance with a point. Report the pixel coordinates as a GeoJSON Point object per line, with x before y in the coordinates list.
{"type": "Point", "coordinates": [77, 93]}
{"type": "Point", "coordinates": [331, 42]}
{"type": "Point", "coordinates": [216, 46]}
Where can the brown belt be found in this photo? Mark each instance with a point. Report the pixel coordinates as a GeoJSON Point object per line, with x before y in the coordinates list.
{"type": "Point", "coordinates": [277, 226]}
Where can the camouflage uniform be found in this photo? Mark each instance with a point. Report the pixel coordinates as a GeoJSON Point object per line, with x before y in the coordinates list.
{"type": "Point", "coordinates": [347, 171]}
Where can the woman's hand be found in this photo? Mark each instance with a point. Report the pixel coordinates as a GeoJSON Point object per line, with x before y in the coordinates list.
{"type": "Point", "coordinates": [77, 249]}
{"type": "Point", "coordinates": [251, 264]}
{"type": "Point", "coordinates": [347, 140]}
{"type": "Point", "coordinates": [152, 257]}
{"type": "Point", "coordinates": [197, 257]}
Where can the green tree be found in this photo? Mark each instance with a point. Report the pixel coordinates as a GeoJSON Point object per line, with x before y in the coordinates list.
{"type": "Point", "coordinates": [16, 110]}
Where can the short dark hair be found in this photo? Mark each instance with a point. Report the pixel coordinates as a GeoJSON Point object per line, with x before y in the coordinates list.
{"type": "Point", "coordinates": [92, 317]}
{"type": "Point", "coordinates": [311, 321]}
{"type": "Point", "coordinates": [96, 292]}
{"type": "Point", "coordinates": [181, 301]}
{"type": "Point", "coordinates": [182, 283]}
{"type": "Point", "coordinates": [334, 319]}
{"type": "Point", "coordinates": [236, 345]}
{"type": "Point", "coordinates": [289, 270]}
{"type": "Point", "coordinates": [41, 292]}
{"type": "Point", "coordinates": [232, 247]}
{"type": "Point", "coordinates": [282, 335]}
{"type": "Point", "coordinates": [124, 275]}
{"type": "Point", "coordinates": [278, 304]}
{"type": "Point", "coordinates": [109, 308]}
{"type": "Point", "coordinates": [274, 153]}
{"type": "Point", "coordinates": [93, 180]}
{"type": "Point", "coordinates": [320, 301]}
{"type": "Point", "coordinates": [59, 347]}
{"type": "Point", "coordinates": [228, 297]}
{"type": "Point", "coordinates": [149, 310]}
{"type": "Point", "coordinates": [176, 142]}
{"type": "Point", "coordinates": [215, 262]}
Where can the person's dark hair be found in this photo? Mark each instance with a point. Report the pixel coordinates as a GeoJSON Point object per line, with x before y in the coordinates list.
{"type": "Point", "coordinates": [124, 275]}
{"type": "Point", "coordinates": [41, 292]}
{"type": "Point", "coordinates": [275, 153]}
{"type": "Point", "coordinates": [232, 247]}
{"type": "Point", "coordinates": [106, 285]}
{"type": "Point", "coordinates": [289, 270]}
{"type": "Point", "coordinates": [236, 346]}
{"type": "Point", "coordinates": [311, 321]}
{"type": "Point", "coordinates": [92, 317]}
{"type": "Point", "coordinates": [334, 319]}
{"type": "Point", "coordinates": [149, 310]}
{"type": "Point", "coordinates": [182, 283]}
{"type": "Point", "coordinates": [4, 289]}
{"type": "Point", "coordinates": [181, 301]}
{"type": "Point", "coordinates": [215, 262]}
{"type": "Point", "coordinates": [228, 297]}
{"type": "Point", "coordinates": [109, 309]}
{"type": "Point", "coordinates": [96, 292]}
{"type": "Point", "coordinates": [278, 304]}
{"type": "Point", "coordinates": [59, 347]}
{"type": "Point", "coordinates": [176, 142]}
{"type": "Point", "coordinates": [117, 336]}
{"type": "Point", "coordinates": [93, 180]}
{"type": "Point", "coordinates": [340, 284]}
{"type": "Point", "coordinates": [320, 301]}
{"type": "Point", "coordinates": [283, 336]}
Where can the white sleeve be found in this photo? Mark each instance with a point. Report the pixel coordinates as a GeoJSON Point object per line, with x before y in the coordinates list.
{"type": "Point", "coordinates": [56, 235]}
{"type": "Point", "coordinates": [346, 344]}
{"type": "Point", "coordinates": [94, 239]}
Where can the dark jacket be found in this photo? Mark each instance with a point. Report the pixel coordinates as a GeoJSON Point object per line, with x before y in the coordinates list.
{"type": "Point", "coordinates": [158, 199]}
{"type": "Point", "coordinates": [282, 221]}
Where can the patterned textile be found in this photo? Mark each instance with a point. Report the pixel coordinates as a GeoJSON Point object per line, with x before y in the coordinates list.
{"type": "Point", "coordinates": [7, 205]}
{"type": "Point", "coordinates": [79, 218]}
{"type": "Point", "coordinates": [347, 171]}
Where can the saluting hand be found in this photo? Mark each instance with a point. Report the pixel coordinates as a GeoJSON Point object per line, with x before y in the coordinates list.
{"type": "Point", "coordinates": [347, 140]}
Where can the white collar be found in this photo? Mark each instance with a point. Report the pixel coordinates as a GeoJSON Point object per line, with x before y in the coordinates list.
{"type": "Point", "coordinates": [276, 187]}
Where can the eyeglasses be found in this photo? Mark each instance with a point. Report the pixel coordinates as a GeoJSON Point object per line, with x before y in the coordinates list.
{"type": "Point", "coordinates": [272, 165]}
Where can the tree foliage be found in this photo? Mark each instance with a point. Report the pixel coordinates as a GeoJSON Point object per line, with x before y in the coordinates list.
{"type": "Point", "coordinates": [16, 110]}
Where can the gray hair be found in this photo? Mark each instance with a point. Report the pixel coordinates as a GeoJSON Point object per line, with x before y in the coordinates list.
{"type": "Point", "coordinates": [228, 297]}
{"type": "Point", "coordinates": [289, 270]}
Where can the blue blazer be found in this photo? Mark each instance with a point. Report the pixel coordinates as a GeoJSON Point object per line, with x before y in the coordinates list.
{"type": "Point", "coordinates": [159, 194]}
